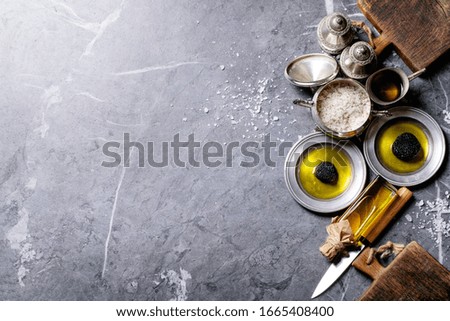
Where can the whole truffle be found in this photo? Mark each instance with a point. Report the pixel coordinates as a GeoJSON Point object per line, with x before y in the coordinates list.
{"type": "Point", "coordinates": [326, 173]}
{"type": "Point", "coordinates": [406, 147]}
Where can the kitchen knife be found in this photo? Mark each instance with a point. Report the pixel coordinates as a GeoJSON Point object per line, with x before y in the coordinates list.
{"type": "Point", "coordinates": [369, 230]}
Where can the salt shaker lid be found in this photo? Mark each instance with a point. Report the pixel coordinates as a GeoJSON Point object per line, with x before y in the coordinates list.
{"type": "Point", "coordinates": [358, 61]}
{"type": "Point", "coordinates": [335, 32]}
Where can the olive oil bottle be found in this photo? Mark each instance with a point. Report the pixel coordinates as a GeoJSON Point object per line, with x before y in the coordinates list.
{"type": "Point", "coordinates": [368, 209]}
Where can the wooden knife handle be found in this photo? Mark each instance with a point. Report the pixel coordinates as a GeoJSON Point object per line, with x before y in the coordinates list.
{"type": "Point", "coordinates": [373, 270]}
{"type": "Point", "coordinates": [404, 195]}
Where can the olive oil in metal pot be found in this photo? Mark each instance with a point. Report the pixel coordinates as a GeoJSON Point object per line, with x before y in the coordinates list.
{"type": "Point", "coordinates": [387, 86]}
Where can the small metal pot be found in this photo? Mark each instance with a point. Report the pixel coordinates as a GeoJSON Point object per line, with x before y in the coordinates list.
{"type": "Point", "coordinates": [312, 104]}
{"type": "Point", "coordinates": [390, 73]}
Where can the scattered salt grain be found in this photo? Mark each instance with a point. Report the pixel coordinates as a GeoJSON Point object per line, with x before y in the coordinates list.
{"type": "Point", "coordinates": [446, 116]}
{"type": "Point", "coordinates": [276, 118]}
{"type": "Point", "coordinates": [434, 217]}
{"type": "Point", "coordinates": [206, 110]}
{"type": "Point", "coordinates": [184, 119]}
{"type": "Point", "coordinates": [408, 218]}
{"type": "Point", "coordinates": [222, 67]}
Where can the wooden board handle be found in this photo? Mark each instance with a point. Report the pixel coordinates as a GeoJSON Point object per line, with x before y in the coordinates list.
{"type": "Point", "coordinates": [404, 195]}
{"type": "Point", "coordinates": [373, 270]}
{"type": "Point", "coordinates": [380, 43]}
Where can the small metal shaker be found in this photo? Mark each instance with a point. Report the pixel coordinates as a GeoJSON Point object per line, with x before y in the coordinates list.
{"type": "Point", "coordinates": [335, 32]}
{"type": "Point", "coordinates": [358, 61]}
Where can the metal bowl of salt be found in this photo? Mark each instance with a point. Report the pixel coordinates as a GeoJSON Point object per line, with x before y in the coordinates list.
{"type": "Point", "coordinates": [311, 70]}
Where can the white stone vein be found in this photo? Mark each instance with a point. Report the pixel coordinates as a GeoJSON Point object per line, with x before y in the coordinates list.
{"type": "Point", "coordinates": [110, 19]}
{"type": "Point", "coordinates": [50, 97]}
{"type": "Point", "coordinates": [177, 282]}
{"type": "Point", "coordinates": [352, 15]}
{"type": "Point", "coordinates": [99, 138]}
{"type": "Point", "coordinates": [123, 125]}
{"type": "Point", "coordinates": [89, 95]}
{"type": "Point", "coordinates": [439, 231]}
{"type": "Point", "coordinates": [445, 111]}
{"type": "Point", "coordinates": [18, 233]}
{"type": "Point", "coordinates": [69, 15]}
{"type": "Point", "coordinates": [17, 237]}
{"type": "Point", "coordinates": [33, 86]}
{"type": "Point", "coordinates": [171, 65]}
{"type": "Point", "coordinates": [445, 93]}
{"type": "Point", "coordinates": [111, 221]}
{"type": "Point", "coordinates": [31, 184]}
{"type": "Point", "coordinates": [345, 285]}
{"type": "Point", "coordinates": [329, 6]}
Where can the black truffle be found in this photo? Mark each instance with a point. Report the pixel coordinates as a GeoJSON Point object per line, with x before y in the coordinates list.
{"type": "Point", "coordinates": [326, 173]}
{"type": "Point", "coordinates": [406, 147]}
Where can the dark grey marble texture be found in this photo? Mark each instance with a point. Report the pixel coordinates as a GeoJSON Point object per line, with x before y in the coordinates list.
{"type": "Point", "coordinates": [77, 74]}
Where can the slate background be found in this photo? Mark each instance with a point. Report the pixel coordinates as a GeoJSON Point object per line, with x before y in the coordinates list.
{"type": "Point", "coordinates": [75, 75]}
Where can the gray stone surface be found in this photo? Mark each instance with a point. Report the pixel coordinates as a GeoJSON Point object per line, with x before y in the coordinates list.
{"type": "Point", "coordinates": [76, 74]}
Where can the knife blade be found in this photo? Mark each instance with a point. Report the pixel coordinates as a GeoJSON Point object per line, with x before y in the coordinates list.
{"type": "Point", "coordinates": [334, 272]}
{"type": "Point", "coordinates": [373, 226]}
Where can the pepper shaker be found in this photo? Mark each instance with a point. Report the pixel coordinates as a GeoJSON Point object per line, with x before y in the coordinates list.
{"type": "Point", "coordinates": [335, 33]}
{"type": "Point", "coordinates": [358, 61]}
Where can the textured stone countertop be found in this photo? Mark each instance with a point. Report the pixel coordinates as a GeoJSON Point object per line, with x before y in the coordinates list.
{"type": "Point", "coordinates": [76, 75]}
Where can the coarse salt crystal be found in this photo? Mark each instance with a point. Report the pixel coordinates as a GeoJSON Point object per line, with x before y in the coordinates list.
{"type": "Point", "coordinates": [343, 107]}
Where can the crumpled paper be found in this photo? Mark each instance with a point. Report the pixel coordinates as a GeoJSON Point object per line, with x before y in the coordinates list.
{"type": "Point", "coordinates": [340, 237]}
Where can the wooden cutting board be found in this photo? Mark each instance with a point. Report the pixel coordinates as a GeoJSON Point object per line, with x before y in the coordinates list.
{"type": "Point", "coordinates": [419, 30]}
{"type": "Point", "coordinates": [413, 275]}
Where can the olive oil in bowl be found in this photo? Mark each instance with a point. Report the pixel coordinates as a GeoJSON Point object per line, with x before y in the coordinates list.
{"type": "Point", "coordinates": [308, 164]}
{"type": "Point", "coordinates": [387, 86]}
{"type": "Point", "coordinates": [387, 138]}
